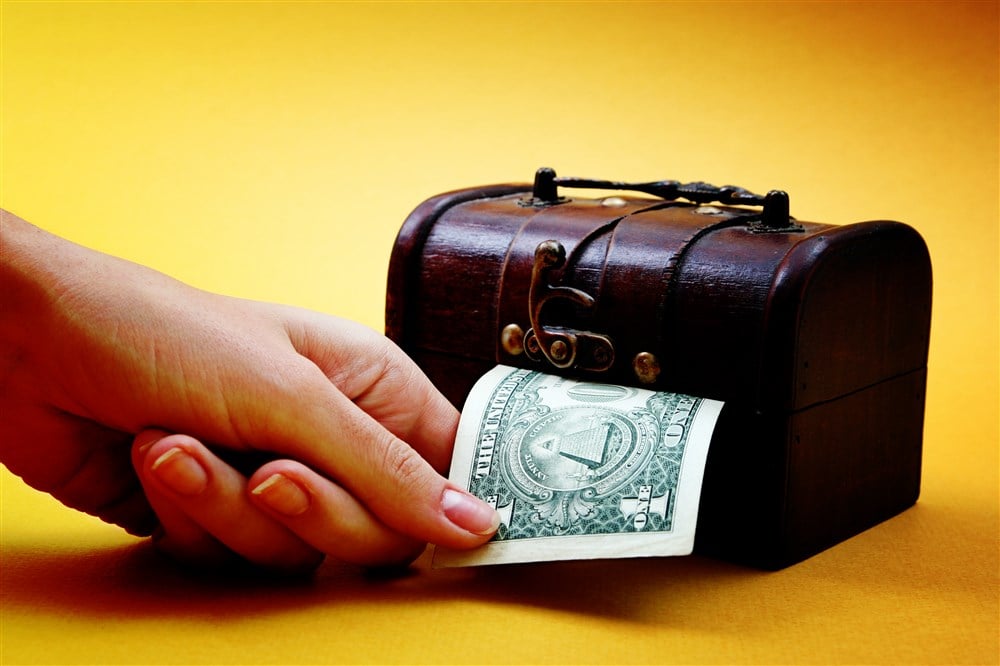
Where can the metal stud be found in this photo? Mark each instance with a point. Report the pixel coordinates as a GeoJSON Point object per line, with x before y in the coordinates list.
{"type": "Point", "coordinates": [646, 367]}
{"type": "Point", "coordinates": [512, 339]}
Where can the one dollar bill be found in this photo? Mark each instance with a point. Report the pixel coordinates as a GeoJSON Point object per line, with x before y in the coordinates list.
{"type": "Point", "coordinates": [579, 470]}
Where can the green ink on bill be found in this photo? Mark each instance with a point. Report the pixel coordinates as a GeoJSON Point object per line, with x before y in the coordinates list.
{"type": "Point", "coordinates": [579, 470]}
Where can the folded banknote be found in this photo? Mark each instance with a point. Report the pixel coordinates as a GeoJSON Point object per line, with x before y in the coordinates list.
{"type": "Point", "coordinates": [579, 470]}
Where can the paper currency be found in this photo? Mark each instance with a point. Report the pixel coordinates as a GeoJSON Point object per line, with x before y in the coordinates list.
{"type": "Point", "coordinates": [579, 470]}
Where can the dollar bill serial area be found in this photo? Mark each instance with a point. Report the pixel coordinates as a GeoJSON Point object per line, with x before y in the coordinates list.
{"type": "Point", "coordinates": [580, 470]}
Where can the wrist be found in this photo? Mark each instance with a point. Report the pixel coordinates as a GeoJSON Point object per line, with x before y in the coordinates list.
{"type": "Point", "coordinates": [21, 278]}
{"type": "Point", "coordinates": [37, 273]}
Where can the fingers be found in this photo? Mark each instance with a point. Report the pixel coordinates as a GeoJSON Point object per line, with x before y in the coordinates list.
{"type": "Point", "coordinates": [286, 517]}
{"type": "Point", "coordinates": [204, 510]}
{"type": "Point", "coordinates": [328, 517]}
{"type": "Point", "coordinates": [178, 535]}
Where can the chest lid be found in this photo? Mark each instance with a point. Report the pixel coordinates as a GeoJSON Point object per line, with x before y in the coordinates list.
{"type": "Point", "coordinates": [723, 301]}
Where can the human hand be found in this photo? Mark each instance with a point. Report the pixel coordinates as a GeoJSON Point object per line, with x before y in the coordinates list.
{"type": "Point", "coordinates": [95, 350]}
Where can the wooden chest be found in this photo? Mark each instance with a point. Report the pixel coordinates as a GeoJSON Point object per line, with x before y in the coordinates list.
{"type": "Point", "coordinates": [815, 336]}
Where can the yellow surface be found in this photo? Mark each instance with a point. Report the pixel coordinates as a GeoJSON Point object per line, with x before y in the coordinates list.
{"type": "Point", "coordinates": [272, 150]}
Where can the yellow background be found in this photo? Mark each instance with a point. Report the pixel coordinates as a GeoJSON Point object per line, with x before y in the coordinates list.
{"type": "Point", "coordinates": [272, 150]}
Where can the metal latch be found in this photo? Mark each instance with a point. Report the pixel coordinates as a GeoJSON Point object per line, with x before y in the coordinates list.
{"type": "Point", "coordinates": [563, 347]}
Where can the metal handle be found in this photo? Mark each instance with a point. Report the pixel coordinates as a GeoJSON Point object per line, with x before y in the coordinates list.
{"type": "Point", "coordinates": [774, 215]}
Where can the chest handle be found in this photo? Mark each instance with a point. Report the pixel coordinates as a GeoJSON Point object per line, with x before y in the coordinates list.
{"type": "Point", "coordinates": [775, 208]}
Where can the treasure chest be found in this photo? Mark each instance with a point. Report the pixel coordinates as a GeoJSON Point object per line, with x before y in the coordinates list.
{"type": "Point", "coordinates": [815, 336]}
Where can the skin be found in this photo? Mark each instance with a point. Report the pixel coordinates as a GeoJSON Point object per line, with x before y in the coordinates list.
{"type": "Point", "coordinates": [221, 426]}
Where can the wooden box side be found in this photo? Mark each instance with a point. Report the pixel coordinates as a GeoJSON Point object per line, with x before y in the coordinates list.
{"type": "Point", "coordinates": [407, 263]}
{"type": "Point", "coordinates": [836, 446]}
{"type": "Point", "coordinates": [779, 488]}
{"type": "Point", "coordinates": [848, 308]}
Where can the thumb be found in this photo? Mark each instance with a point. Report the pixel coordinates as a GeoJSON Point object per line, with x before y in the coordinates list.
{"type": "Point", "coordinates": [381, 380]}
{"type": "Point", "coordinates": [323, 428]}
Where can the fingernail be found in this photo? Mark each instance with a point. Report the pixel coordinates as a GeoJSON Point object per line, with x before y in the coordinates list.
{"type": "Point", "coordinates": [469, 512]}
{"type": "Point", "coordinates": [145, 447]}
{"type": "Point", "coordinates": [180, 472]}
{"type": "Point", "coordinates": [283, 495]}
{"type": "Point", "coordinates": [151, 437]}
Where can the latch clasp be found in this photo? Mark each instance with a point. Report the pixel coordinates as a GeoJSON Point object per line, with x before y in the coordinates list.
{"type": "Point", "coordinates": [563, 347]}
